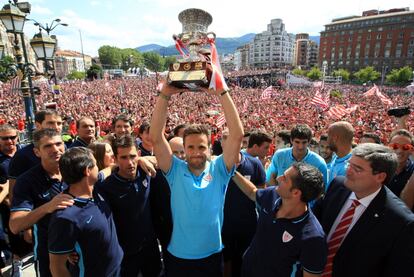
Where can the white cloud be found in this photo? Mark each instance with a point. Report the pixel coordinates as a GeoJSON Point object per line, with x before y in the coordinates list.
{"type": "Point", "coordinates": [41, 10]}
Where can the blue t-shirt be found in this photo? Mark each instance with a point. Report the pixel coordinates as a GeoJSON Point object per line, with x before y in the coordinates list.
{"type": "Point", "coordinates": [88, 228]}
{"type": "Point", "coordinates": [33, 189]}
{"type": "Point", "coordinates": [338, 167]}
{"type": "Point", "coordinates": [197, 208]}
{"type": "Point", "coordinates": [239, 211]}
{"type": "Point", "coordinates": [129, 202]}
{"type": "Point", "coordinates": [283, 159]}
{"type": "Point", "coordinates": [282, 246]}
{"type": "Point", "coordinates": [4, 165]}
{"type": "Point", "coordinates": [22, 161]}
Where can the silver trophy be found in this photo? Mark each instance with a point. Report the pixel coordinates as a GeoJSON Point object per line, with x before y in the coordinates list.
{"type": "Point", "coordinates": [193, 69]}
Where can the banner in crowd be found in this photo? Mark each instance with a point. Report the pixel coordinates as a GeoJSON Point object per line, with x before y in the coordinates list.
{"type": "Point", "coordinates": [221, 120]}
{"type": "Point", "coordinates": [267, 93]}
{"type": "Point", "coordinates": [318, 101]}
{"type": "Point", "coordinates": [375, 91]}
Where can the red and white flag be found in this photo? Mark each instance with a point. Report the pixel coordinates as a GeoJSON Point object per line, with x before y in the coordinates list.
{"type": "Point", "coordinates": [337, 112]}
{"type": "Point", "coordinates": [221, 120]}
{"type": "Point", "coordinates": [384, 99]}
{"type": "Point", "coordinates": [217, 79]}
{"type": "Point", "coordinates": [15, 83]}
{"type": "Point", "coordinates": [352, 108]}
{"type": "Point", "coordinates": [267, 93]}
{"type": "Point", "coordinates": [371, 92]}
{"type": "Point", "coordinates": [318, 101]}
{"type": "Point", "coordinates": [317, 84]}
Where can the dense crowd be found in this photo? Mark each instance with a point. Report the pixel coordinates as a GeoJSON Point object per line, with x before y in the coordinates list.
{"type": "Point", "coordinates": [102, 100]}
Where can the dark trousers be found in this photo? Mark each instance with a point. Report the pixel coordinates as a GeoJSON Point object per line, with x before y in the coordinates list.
{"type": "Point", "coordinates": [147, 261]}
{"type": "Point", "coordinates": [211, 266]}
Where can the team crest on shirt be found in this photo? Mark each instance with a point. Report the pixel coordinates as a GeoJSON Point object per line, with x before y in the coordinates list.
{"type": "Point", "coordinates": [286, 237]}
{"type": "Point", "coordinates": [208, 177]}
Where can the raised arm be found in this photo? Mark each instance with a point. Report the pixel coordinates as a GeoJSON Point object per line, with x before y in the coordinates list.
{"type": "Point", "coordinates": [245, 186]}
{"type": "Point", "coordinates": [162, 149]}
{"type": "Point", "coordinates": [231, 153]}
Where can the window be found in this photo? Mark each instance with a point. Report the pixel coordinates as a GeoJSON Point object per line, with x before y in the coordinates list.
{"type": "Point", "coordinates": [389, 36]}
{"type": "Point", "coordinates": [401, 35]}
{"type": "Point", "coordinates": [387, 53]}
{"type": "Point", "coordinates": [379, 36]}
{"type": "Point", "coordinates": [369, 37]}
{"type": "Point", "coordinates": [398, 53]}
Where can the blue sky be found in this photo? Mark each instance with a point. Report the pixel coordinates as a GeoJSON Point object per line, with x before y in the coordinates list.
{"type": "Point", "coordinates": [131, 23]}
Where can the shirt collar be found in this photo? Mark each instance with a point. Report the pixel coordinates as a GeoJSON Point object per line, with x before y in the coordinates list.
{"type": "Point", "coordinates": [366, 200]}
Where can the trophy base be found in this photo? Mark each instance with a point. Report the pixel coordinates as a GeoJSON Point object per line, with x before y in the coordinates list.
{"type": "Point", "coordinates": [189, 75]}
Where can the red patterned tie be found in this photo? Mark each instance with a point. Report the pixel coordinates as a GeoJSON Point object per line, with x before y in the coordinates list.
{"type": "Point", "coordinates": [338, 236]}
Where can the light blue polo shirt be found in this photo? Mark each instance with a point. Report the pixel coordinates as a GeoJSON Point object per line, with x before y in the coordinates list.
{"type": "Point", "coordinates": [338, 166]}
{"type": "Point", "coordinates": [283, 159]}
{"type": "Point", "coordinates": [197, 204]}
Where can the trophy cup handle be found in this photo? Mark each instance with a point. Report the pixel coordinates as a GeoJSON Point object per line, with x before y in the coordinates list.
{"type": "Point", "coordinates": [211, 35]}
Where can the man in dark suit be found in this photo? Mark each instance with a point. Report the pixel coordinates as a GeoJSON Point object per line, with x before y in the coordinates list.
{"type": "Point", "coordinates": [370, 232]}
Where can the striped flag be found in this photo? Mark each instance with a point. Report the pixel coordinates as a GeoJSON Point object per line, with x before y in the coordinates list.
{"type": "Point", "coordinates": [371, 92]}
{"type": "Point", "coordinates": [352, 108]}
{"type": "Point", "coordinates": [318, 101]}
{"type": "Point", "coordinates": [221, 120]}
{"type": "Point", "coordinates": [15, 83]}
{"type": "Point", "coordinates": [267, 93]}
{"type": "Point", "coordinates": [337, 112]}
{"type": "Point", "coordinates": [384, 99]}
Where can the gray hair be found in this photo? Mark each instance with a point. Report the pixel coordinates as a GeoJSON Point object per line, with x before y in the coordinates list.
{"type": "Point", "coordinates": [381, 158]}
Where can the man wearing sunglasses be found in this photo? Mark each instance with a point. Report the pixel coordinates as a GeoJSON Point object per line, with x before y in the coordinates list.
{"type": "Point", "coordinates": [402, 143]}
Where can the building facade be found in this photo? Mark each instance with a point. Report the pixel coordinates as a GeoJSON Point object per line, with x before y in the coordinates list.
{"type": "Point", "coordinates": [67, 61]}
{"type": "Point", "coordinates": [241, 57]}
{"type": "Point", "coordinates": [273, 47]}
{"type": "Point", "coordinates": [306, 52]}
{"type": "Point", "coordinates": [382, 39]}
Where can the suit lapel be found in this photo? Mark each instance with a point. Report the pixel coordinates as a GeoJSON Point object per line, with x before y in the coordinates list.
{"type": "Point", "coordinates": [371, 216]}
{"type": "Point", "coordinates": [334, 207]}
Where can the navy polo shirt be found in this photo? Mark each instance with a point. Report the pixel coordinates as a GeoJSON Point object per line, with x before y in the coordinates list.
{"type": "Point", "coordinates": [129, 202]}
{"type": "Point", "coordinates": [88, 228]}
{"type": "Point", "coordinates": [22, 161]}
{"type": "Point", "coordinates": [281, 246]}
{"type": "Point", "coordinates": [238, 208]}
{"type": "Point", "coordinates": [4, 166]}
{"type": "Point", "coordinates": [33, 189]}
{"type": "Point", "coordinates": [398, 182]}
{"type": "Point", "coordinates": [78, 143]}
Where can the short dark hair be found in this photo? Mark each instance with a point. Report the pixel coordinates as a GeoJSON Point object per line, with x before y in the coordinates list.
{"type": "Point", "coordinates": [144, 127]}
{"type": "Point", "coordinates": [309, 180]}
{"type": "Point", "coordinates": [380, 157]}
{"type": "Point", "coordinates": [403, 132]}
{"type": "Point", "coordinates": [122, 117]}
{"type": "Point", "coordinates": [284, 135]}
{"type": "Point", "coordinates": [258, 138]}
{"type": "Point", "coordinates": [324, 137]}
{"type": "Point", "coordinates": [39, 134]}
{"type": "Point", "coordinates": [178, 128]}
{"type": "Point", "coordinates": [41, 115]}
{"type": "Point", "coordinates": [301, 131]}
{"type": "Point", "coordinates": [373, 136]}
{"type": "Point", "coordinates": [124, 141]}
{"type": "Point", "coordinates": [197, 129]}
{"type": "Point", "coordinates": [78, 122]}
{"type": "Point", "coordinates": [73, 163]}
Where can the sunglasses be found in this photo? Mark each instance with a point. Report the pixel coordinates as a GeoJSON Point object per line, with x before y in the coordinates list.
{"type": "Point", "coordinates": [404, 147]}
{"type": "Point", "coordinates": [7, 138]}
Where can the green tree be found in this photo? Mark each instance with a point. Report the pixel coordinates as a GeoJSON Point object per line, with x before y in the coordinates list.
{"type": "Point", "coordinates": [342, 72]}
{"type": "Point", "coordinates": [168, 60]}
{"type": "Point", "coordinates": [6, 60]}
{"type": "Point", "coordinates": [400, 76]}
{"type": "Point", "coordinates": [110, 56]}
{"type": "Point", "coordinates": [76, 75]}
{"type": "Point", "coordinates": [299, 72]}
{"type": "Point", "coordinates": [130, 58]}
{"type": "Point", "coordinates": [314, 74]}
{"type": "Point", "coordinates": [367, 74]}
{"type": "Point", "coordinates": [94, 72]}
{"type": "Point", "coordinates": [153, 61]}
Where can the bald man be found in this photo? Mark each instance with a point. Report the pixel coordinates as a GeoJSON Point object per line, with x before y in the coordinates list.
{"type": "Point", "coordinates": [340, 137]}
{"type": "Point", "coordinates": [160, 195]}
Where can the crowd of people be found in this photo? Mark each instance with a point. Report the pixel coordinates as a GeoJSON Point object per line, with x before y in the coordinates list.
{"type": "Point", "coordinates": [241, 182]}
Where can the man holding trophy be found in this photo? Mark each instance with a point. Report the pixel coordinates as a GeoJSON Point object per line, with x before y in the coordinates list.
{"type": "Point", "coordinates": [198, 184]}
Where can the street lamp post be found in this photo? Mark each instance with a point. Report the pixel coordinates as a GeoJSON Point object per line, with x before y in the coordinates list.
{"type": "Point", "coordinates": [383, 72]}
{"type": "Point", "coordinates": [45, 47]}
{"type": "Point", "coordinates": [13, 16]}
{"type": "Point", "coordinates": [324, 66]}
